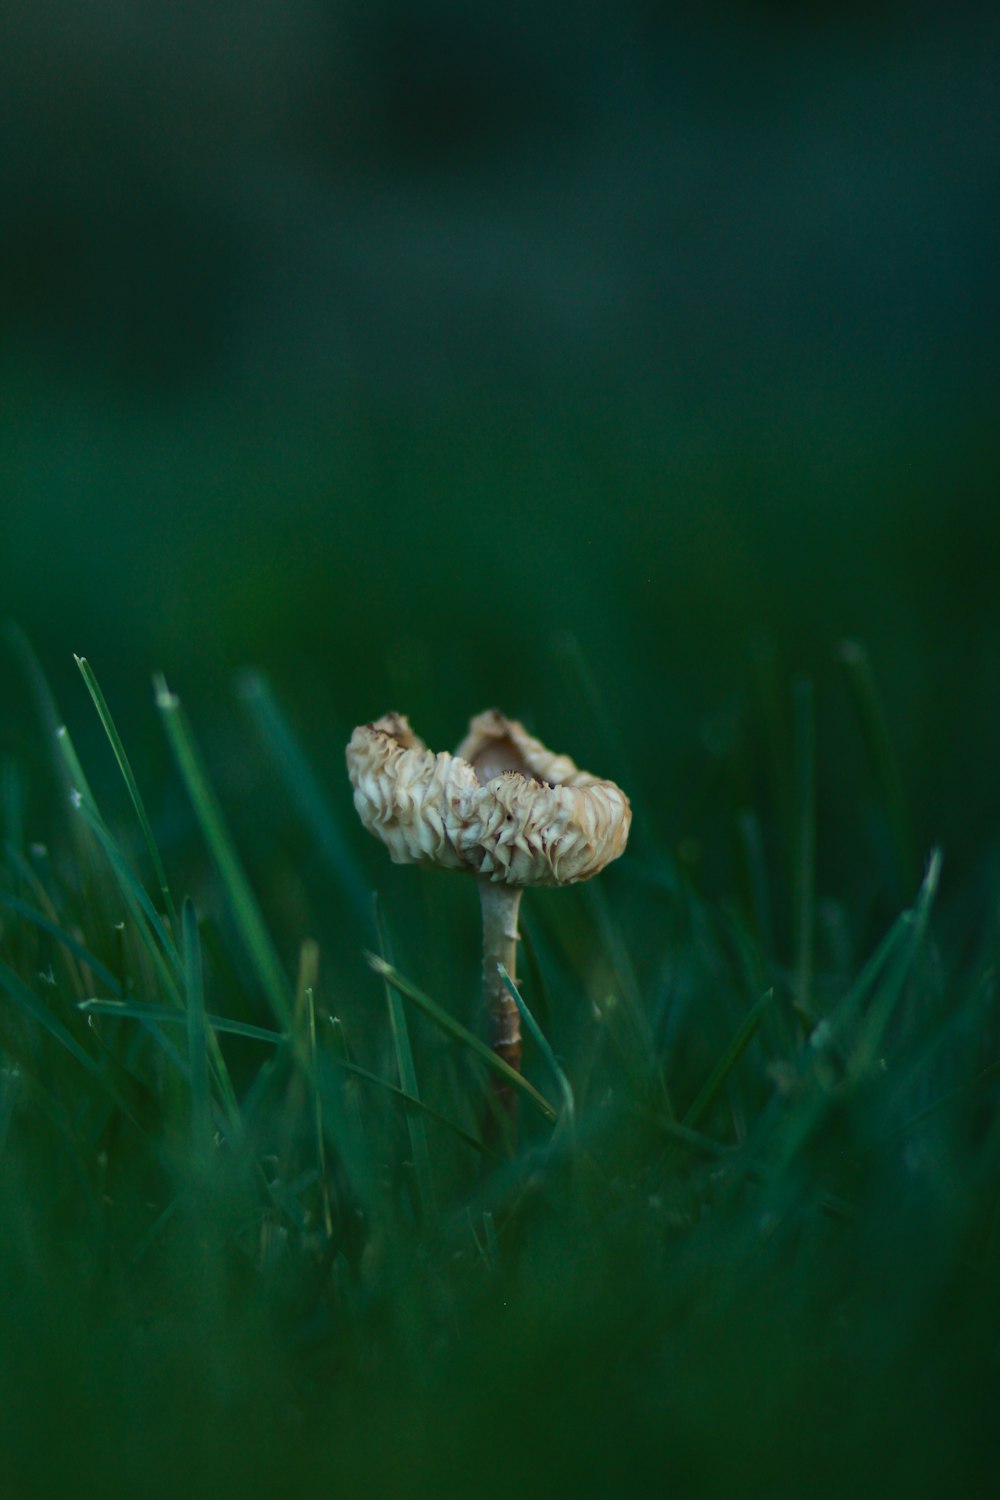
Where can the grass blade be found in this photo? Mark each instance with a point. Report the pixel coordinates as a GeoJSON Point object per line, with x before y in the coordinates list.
{"type": "Point", "coordinates": [201, 1111]}
{"type": "Point", "coordinates": [885, 764]}
{"type": "Point", "coordinates": [44, 924]}
{"type": "Point", "coordinates": [645, 1057]}
{"type": "Point", "coordinates": [162, 1014]}
{"type": "Point", "coordinates": [416, 1105]}
{"type": "Point", "coordinates": [110, 729]}
{"type": "Point", "coordinates": [407, 1077]}
{"type": "Point", "coordinates": [76, 779]}
{"type": "Point", "coordinates": [303, 784]}
{"type": "Point", "coordinates": [561, 1081]}
{"type": "Point", "coordinates": [305, 1007]}
{"type": "Point", "coordinates": [887, 997]}
{"type": "Point", "coordinates": [805, 845]}
{"type": "Point", "coordinates": [458, 1033]}
{"type": "Point", "coordinates": [249, 920]}
{"type": "Point", "coordinates": [324, 1180]}
{"type": "Point", "coordinates": [10, 1088]}
{"type": "Point", "coordinates": [144, 913]}
{"type": "Point", "coordinates": [12, 802]}
{"type": "Point", "coordinates": [755, 863]}
{"type": "Point", "coordinates": [42, 1016]}
{"type": "Point", "coordinates": [709, 1090]}
{"type": "Point", "coordinates": [31, 669]}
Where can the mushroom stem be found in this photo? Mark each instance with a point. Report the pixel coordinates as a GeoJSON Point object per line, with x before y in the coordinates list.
{"type": "Point", "coordinates": [500, 905]}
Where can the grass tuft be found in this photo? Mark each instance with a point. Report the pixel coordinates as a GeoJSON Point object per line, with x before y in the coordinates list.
{"type": "Point", "coordinates": [751, 1245]}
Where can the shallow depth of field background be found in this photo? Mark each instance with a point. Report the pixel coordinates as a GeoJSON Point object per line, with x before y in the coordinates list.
{"type": "Point", "coordinates": [381, 345]}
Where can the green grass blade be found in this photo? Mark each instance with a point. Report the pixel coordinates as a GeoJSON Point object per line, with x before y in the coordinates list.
{"type": "Point", "coordinates": [962, 1091]}
{"type": "Point", "coordinates": [147, 921]}
{"type": "Point", "coordinates": [12, 802]}
{"type": "Point", "coordinates": [458, 1033]}
{"type": "Point", "coordinates": [168, 963]}
{"type": "Point", "coordinates": [163, 1015]}
{"type": "Point", "coordinates": [551, 1061]}
{"type": "Point", "coordinates": [318, 1116]}
{"type": "Point", "coordinates": [646, 1052]}
{"type": "Point", "coordinates": [710, 1089]}
{"type": "Point", "coordinates": [201, 1109]}
{"type": "Point", "coordinates": [10, 1088]}
{"type": "Point", "coordinates": [38, 1012]}
{"type": "Point", "coordinates": [417, 1105]}
{"type": "Point", "coordinates": [755, 863]}
{"type": "Point", "coordinates": [895, 948]}
{"type": "Point", "coordinates": [692, 1141]}
{"type": "Point", "coordinates": [305, 1012]}
{"type": "Point", "coordinates": [31, 670]}
{"type": "Point", "coordinates": [249, 920]}
{"type": "Point", "coordinates": [850, 1005]}
{"type": "Point", "coordinates": [75, 775]}
{"type": "Point", "coordinates": [307, 792]}
{"type": "Point", "coordinates": [571, 656]}
{"type": "Point", "coordinates": [492, 1239]}
{"type": "Point", "coordinates": [805, 845]}
{"type": "Point", "coordinates": [407, 1077]}
{"type": "Point", "coordinates": [887, 997]}
{"type": "Point", "coordinates": [44, 924]}
{"type": "Point", "coordinates": [885, 763]}
{"type": "Point", "coordinates": [110, 729]}
{"type": "Point", "coordinates": [144, 913]}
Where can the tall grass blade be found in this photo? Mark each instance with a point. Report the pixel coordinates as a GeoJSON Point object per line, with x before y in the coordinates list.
{"type": "Point", "coordinates": [709, 1091]}
{"type": "Point", "coordinates": [887, 997]}
{"type": "Point", "coordinates": [12, 802]}
{"type": "Point", "coordinates": [161, 1015]}
{"type": "Point", "coordinates": [895, 948]}
{"type": "Point", "coordinates": [10, 1088]}
{"type": "Point", "coordinates": [570, 653]}
{"type": "Point", "coordinates": [249, 920]}
{"type": "Point", "coordinates": [201, 1110]}
{"type": "Point", "coordinates": [417, 1105]}
{"type": "Point", "coordinates": [541, 1042]}
{"type": "Point", "coordinates": [318, 1128]}
{"type": "Point", "coordinates": [307, 791]}
{"type": "Point", "coordinates": [752, 847]}
{"type": "Point", "coordinates": [885, 763]}
{"type": "Point", "coordinates": [45, 924]}
{"type": "Point", "coordinates": [118, 749]}
{"type": "Point", "coordinates": [407, 1075]}
{"type": "Point", "coordinates": [630, 992]}
{"type": "Point", "coordinates": [31, 670]}
{"type": "Point", "coordinates": [40, 1014]}
{"type": "Point", "coordinates": [305, 1017]}
{"type": "Point", "coordinates": [805, 845]}
{"type": "Point", "coordinates": [74, 773]}
{"type": "Point", "coordinates": [458, 1033]}
{"type": "Point", "coordinates": [146, 917]}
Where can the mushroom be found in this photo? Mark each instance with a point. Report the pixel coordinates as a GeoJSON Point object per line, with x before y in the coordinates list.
{"type": "Point", "coordinates": [503, 808]}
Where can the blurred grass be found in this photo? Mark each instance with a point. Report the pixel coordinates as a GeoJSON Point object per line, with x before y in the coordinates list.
{"type": "Point", "coordinates": [439, 554]}
{"type": "Point", "coordinates": [763, 1258]}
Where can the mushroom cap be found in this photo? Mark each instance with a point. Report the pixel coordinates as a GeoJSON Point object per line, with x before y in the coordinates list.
{"type": "Point", "coordinates": [503, 807]}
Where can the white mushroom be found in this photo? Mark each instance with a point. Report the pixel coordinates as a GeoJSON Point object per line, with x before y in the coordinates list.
{"type": "Point", "coordinates": [503, 808]}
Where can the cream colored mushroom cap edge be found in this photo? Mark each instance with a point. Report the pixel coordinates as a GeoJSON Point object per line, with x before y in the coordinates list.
{"type": "Point", "coordinates": [503, 807]}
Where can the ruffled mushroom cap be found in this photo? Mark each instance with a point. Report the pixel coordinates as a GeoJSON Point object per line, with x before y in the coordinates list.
{"type": "Point", "coordinates": [503, 807]}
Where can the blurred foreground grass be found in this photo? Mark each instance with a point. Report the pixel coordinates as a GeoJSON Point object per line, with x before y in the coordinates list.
{"type": "Point", "coordinates": [252, 1244]}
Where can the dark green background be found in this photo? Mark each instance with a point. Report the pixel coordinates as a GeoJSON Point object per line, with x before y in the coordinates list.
{"type": "Point", "coordinates": [381, 345]}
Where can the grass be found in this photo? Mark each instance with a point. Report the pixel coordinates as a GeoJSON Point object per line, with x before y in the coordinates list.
{"type": "Point", "coordinates": [254, 1243]}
